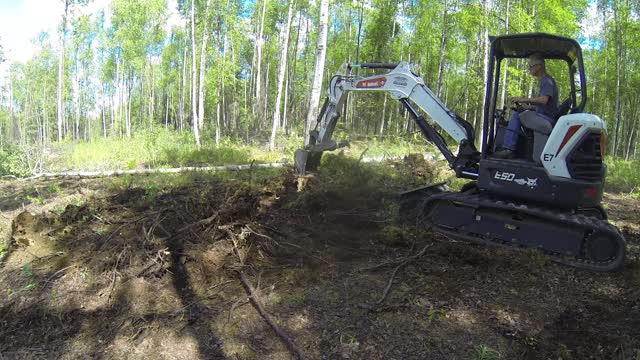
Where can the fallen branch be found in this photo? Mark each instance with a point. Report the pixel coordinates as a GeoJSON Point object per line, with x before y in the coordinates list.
{"type": "Point", "coordinates": [46, 282]}
{"type": "Point", "coordinates": [253, 298]}
{"type": "Point", "coordinates": [396, 261]}
{"type": "Point", "coordinates": [85, 174]}
{"type": "Point", "coordinates": [387, 288]}
{"type": "Point", "coordinates": [205, 221]}
{"type": "Point", "coordinates": [115, 273]}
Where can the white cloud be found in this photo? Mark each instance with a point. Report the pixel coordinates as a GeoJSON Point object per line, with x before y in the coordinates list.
{"type": "Point", "coordinates": [19, 27]}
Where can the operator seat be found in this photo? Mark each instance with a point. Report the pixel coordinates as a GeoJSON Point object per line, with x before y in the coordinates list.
{"type": "Point", "coordinates": [563, 109]}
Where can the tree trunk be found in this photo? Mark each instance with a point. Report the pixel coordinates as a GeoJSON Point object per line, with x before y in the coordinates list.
{"type": "Point", "coordinates": [281, 74]}
{"type": "Point", "coordinates": [60, 109]}
{"type": "Point", "coordinates": [619, 60]}
{"type": "Point", "coordinates": [285, 106]}
{"type": "Point", "coordinates": [76, 103]}
{"type": "Point", "coordinates": [265, 100]}
{"type": "Point", "coordinates": [258, 78]}
{"type": "Point", "coordinates": [505, 73]}
{"type": "Point", "coordinates": [384, 114]}
{"type": "Point", "coordinates": [203, 65]}
{"type": "Point", "coordinates": [183, 87]}
{"type": "Point", "coordinates": [443, 46]}
{"type": "Point", "coordinates": [485, 42]}
{"type": "Point", "coordinates": [196, 129]}
{"type": "Point", "coordinates": [321, 48]}
{"type": "Point", "coordinates": [166, 113]}
{"type": "Point", "coordinates": [218, 119]}
{"type": "Point", "coordinates": [129, 87]}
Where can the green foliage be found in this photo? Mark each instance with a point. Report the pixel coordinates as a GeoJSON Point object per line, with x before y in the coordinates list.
{"type": "Point", "coordinates": [158, 148]}
{"type": "Point", "coordinates": [27, 272]}
{"type": "Point", "coordinates": [295, 299]}
{"type": "Point", "coordinates": [483, 352]}
{"type": "Point", "coordinates": [13, 162]}
{"type": "Point", "coordinates": [127, 72]}
{"type": "Point", "coordinates": [393, 235]}
{"type": "Point", "coordinates": [436, 314]}
{"type": "Point", "coordinates": [623, 176]}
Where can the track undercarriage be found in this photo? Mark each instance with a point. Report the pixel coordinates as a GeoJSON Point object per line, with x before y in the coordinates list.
{"type": "Point", "coordinates": [572, 238]}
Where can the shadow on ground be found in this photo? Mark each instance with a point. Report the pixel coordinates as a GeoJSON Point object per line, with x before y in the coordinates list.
{"type": "Point", "coordinates": [134, 274]}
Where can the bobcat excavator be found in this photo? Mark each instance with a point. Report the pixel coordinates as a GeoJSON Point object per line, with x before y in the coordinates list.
{"type": "Point", "coordinates": [547, 198]}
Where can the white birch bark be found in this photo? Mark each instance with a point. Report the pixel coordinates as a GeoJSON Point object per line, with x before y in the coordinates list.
{"type": "Point", "coordinates": [485, 40]}
{"type": "Point", "coordinates": [259, 43]}
{"type": "Point", "coordinates": [60, 110]}
{"type": "Point", "coordinates": [183, 88]}
{"type": "Point", "coordinates": [281, 74]}
{"type": "Point", "coordinates": [196, 130]}
{"type": "Point", "coordinates": [321, 48]}
{"type": "Point", "coordinates": [203, 66]}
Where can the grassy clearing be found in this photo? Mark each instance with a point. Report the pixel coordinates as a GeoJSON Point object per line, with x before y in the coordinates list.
{"type": "Point", "coordinates": [166, 148]}
{"type": "Point", "coordinates": [156, 149]}
{"type": "Point", "coordinates": [623, 176]}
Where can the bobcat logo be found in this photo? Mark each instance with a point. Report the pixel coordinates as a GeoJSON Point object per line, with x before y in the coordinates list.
{"type": "Point", "coordinates": [529, 182]}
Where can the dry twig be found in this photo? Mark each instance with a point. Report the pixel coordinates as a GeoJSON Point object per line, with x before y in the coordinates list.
{"type": "Point", "coordinates": [253, 298]}
{"type": "Point", "coordinates": [387, 288]}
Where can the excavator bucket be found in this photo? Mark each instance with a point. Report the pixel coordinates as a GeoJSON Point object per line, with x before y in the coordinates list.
{"type": "Point", "coordinates": [306, 160]}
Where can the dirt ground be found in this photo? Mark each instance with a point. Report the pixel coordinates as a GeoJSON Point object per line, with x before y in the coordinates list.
{"type": "Point", "coordinates": [147, 268]}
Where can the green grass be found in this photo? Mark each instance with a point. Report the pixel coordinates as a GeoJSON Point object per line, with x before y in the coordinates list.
{"type": "Point", "coordinates": [168, 148]}
{"type": "Point", "coordinates": [484, 352]}
{"type": "Point", "coordinates": [623, 176]}
{"type": "Point", "coordinates": [27, 272]}
{"type": "Point", "coordinates": [162, 148]}
{"type": "Point", "coordinates": [295, 299]}
{"type": "Point", "coordinates": [157, 149]}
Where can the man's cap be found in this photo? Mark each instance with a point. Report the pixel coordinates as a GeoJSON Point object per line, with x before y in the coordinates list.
{"type": "Point", "coordinates": [536, 59]}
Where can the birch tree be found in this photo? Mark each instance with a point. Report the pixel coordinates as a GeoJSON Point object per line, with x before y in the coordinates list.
{"type": "Point", "coordinates": [194, 99]}
{"type": "Point", "coordinates": [281, 75]}
{"type": "Point", "coordinates": [321, 49]}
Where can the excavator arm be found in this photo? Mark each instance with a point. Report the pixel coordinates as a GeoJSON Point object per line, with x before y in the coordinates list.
{"type": "Point", "coordinates": [408, 88]}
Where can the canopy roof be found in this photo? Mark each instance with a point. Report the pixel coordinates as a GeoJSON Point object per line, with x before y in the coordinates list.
{"type": "Point", "coordinates": [523, 45]}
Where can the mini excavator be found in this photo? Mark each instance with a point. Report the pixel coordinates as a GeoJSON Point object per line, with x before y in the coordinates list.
{"type": "Point", "coordinates": [548, 197]}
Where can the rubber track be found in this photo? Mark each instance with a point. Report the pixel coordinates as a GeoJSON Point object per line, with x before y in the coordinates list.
{"type": "Point", "coordinates": [553, 216]}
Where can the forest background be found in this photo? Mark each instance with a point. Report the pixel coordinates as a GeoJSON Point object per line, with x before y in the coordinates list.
{"type": "Point", "coordinates": [232, 81]}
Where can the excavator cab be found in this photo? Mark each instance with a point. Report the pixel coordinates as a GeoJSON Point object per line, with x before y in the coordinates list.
{"type": "Point", "coordinates": [563, 58]}
{"type": "Point", "coordinates": [566, 159]}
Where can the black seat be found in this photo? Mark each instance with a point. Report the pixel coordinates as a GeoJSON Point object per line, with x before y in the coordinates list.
{"type": "Point", "coordinates": [563, 109]}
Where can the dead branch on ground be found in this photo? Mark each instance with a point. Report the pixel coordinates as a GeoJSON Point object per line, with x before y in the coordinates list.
{"type": "Point", "coordinates": [255, 301]}
{"type": "Point", "coordinates": [387, 288]}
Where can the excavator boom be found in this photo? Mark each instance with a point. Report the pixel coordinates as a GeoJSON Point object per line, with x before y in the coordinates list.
{"type": "Point", "coordinates": [408, 88]}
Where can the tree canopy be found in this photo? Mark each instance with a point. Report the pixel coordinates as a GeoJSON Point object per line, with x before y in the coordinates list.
{"type": "Point", "coordinates": [217, 67]}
